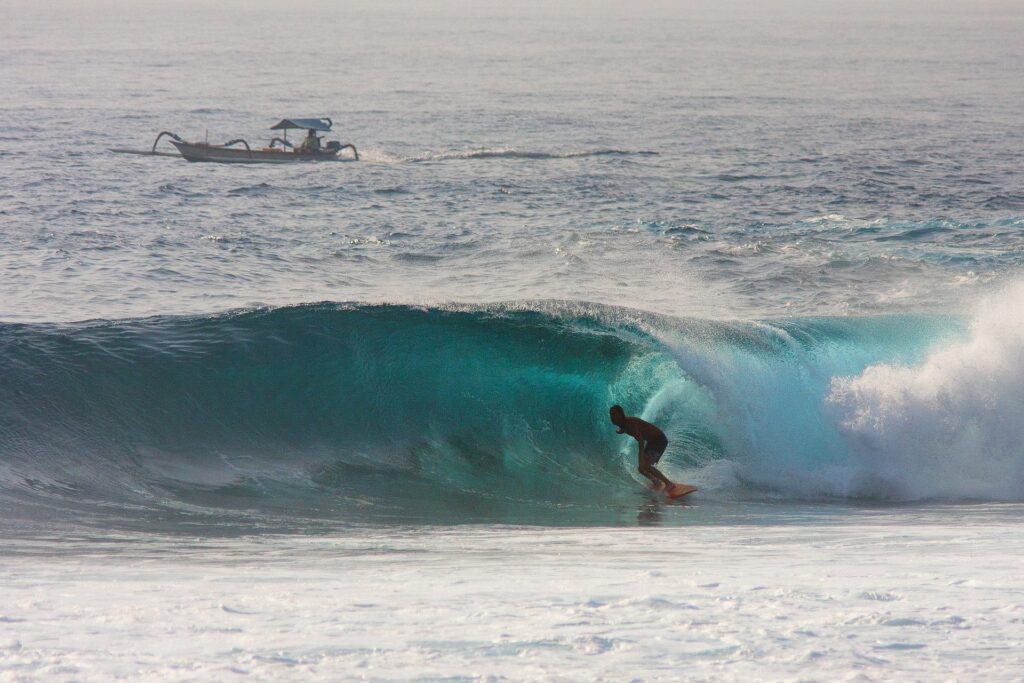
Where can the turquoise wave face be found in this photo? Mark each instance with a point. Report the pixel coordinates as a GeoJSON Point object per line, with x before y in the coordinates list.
{"type": "Point", "coordinates": [373, 409]}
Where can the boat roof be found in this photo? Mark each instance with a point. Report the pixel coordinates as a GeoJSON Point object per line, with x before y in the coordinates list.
{"type": "Point", "coordinates": [323, 124]}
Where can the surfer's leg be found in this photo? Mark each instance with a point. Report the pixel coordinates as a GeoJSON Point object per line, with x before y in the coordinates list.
{"type": "Point", "coordinates": [661, 477]}
{"type": "Point", "coordinates": [648, 469]}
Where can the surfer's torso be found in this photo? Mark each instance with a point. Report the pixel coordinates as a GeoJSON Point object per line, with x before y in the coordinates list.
{"type": "Point", "coordinates": [641, 430]}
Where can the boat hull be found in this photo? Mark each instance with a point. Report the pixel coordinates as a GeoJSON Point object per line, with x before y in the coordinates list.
{"type": "Point", "coordinates": [198, 151]}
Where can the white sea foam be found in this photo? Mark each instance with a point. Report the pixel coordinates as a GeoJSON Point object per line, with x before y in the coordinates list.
{"type": "Point", "coordinates": [951, 426]}
{"type": "Point", "coordinates": [747, 601]}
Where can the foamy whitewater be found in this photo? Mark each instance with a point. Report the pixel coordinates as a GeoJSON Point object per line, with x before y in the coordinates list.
{"type": "Point", "coordinates": [348, 421]}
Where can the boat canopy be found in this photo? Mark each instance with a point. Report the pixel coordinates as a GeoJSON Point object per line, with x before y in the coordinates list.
{"type": "Point", "coordinates": [323, 124]}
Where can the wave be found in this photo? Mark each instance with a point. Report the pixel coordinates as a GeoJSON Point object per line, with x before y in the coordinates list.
{"type": "Point", "coordinates": [369, 409]}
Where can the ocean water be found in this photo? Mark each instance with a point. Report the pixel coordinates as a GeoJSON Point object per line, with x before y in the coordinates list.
{"type": "Point", "coordinates": [348, 421]}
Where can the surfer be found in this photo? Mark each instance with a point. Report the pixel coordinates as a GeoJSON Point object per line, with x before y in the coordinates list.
{"type": "Point", "coordinates": [652, 443]}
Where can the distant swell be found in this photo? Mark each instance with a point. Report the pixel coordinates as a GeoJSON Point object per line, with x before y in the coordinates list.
{"type": "Point", "coordinates": [471, 408]}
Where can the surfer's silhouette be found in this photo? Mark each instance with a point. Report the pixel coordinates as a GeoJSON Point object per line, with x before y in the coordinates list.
{"type": "Point", "coordinates": [652, 444]}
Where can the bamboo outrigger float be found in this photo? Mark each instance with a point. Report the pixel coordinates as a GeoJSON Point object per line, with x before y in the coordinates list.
{"type": "Point", "coordinates": [279, 151]}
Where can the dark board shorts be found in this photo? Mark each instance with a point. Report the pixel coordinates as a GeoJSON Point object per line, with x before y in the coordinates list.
{"type": "Point", "coordinates": [655, 448]}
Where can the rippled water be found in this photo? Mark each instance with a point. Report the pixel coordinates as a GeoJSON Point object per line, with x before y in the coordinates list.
{"type": "Point", "coordinates": [719, 160]}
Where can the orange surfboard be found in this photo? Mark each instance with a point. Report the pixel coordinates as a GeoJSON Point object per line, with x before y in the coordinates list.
{"type": "Point", "coordinates": [679, 490]}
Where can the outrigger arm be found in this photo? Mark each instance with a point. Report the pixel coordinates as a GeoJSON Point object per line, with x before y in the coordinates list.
{"type": "Point", "coordinates": [168, 133]}
{"type": "Point", "coordinates": [236, 141]}
{"type": "Point", "coordinates": [349, 145]}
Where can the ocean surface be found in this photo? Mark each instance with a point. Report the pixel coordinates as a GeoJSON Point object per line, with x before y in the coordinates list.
{"type": "Point", "coordinates": [348, 421]}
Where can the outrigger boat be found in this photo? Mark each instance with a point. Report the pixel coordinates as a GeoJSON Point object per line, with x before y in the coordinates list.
{"type": "Point", "coordinates": [279, 151]}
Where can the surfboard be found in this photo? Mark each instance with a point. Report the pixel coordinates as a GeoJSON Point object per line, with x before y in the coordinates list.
{"type": "Point", "coordinates": [680, 490]}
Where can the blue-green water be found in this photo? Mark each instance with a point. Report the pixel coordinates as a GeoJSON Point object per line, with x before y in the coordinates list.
{"type": "Point", "coordinates": [382, 413]}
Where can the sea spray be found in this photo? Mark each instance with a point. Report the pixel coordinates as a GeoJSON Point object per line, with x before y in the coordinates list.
{"type": "Point", "coordinates": [950, 426]}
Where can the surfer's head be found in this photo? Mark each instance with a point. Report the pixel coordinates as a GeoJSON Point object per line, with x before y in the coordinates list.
{"type": "Point", "coordinates": [617, 414]}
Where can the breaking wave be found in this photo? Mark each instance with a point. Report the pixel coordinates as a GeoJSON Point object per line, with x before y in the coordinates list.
{"type": "Point", "coordinates": [364, 410]}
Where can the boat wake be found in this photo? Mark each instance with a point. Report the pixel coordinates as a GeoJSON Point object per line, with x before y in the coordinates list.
{"type": "Point", "coordinates": [496, 153]}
